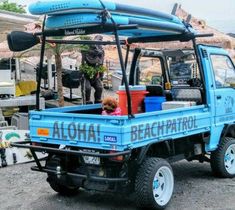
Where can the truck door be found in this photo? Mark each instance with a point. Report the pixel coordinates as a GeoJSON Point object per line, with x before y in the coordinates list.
{"type": "Point", "coordinates": [223, 79]}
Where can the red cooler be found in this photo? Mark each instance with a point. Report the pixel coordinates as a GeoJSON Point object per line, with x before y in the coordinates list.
{"type": "Point", "coordinates": [138, 93]}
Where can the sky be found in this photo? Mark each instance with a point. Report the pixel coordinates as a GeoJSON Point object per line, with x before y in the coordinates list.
{"type": "Point", "coordinates": [217, 13]}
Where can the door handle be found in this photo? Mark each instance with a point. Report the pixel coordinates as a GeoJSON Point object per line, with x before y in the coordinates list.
{"type": "Point", "coordinates": [218, 97]}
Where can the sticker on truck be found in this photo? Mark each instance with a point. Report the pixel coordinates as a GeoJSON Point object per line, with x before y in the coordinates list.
{"type": "Point", "coordinates": [112, 139]}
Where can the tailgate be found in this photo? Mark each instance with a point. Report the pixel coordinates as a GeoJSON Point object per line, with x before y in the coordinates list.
{"type": "Point", "coordinates": [117, 132]}
{"type": "Point", "coordinates": [81, 130]}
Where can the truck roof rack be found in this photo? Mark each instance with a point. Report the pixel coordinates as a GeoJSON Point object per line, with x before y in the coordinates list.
{"type": "Point", "coordinates": [185, 37]}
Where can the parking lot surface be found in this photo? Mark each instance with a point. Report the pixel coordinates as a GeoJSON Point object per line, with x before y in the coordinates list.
{"type": "Point", "coordinates": [195, 188]}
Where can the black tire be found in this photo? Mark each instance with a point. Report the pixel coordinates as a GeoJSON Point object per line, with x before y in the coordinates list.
{"type": "Point", "coordinates": [219, 159]}
{"type": "Point", "coordinates": [145, 181]}
{"type": "Point", "coordinates": [62, 189]}
{"type": "Point", "coordinates": [62, 185]}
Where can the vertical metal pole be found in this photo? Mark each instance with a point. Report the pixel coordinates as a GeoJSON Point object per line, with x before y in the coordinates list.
{"type": "Point", "coordinates": [199, 62]}
{"type": "Point", "coordinates": [39, 73]}
{"type": "Point", "coordinates": [70, 94]}
{"type": "Point", "coordinates": [49, 72]}
{"type": "Point", "coordinates": [126, 59]}
{"type": "Point", "coordinates": [127, 55]}
{"type": "Point", "coordinates": [121, 61]}
{"type": "Point", "coordinates": [124, 74]}
{"type": "Point", "coordinates": [17, 65]}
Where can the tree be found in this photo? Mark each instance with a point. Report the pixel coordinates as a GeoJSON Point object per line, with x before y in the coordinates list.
{"type": "Point", "coordinates": [58, 49]}
{"type": "Point", "coordinates": [12, 7]}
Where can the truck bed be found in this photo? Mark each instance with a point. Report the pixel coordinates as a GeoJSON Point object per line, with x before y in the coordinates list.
{"type": "Point", "coordinates": [85, 127]}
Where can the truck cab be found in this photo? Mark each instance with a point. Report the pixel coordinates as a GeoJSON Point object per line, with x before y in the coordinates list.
{"type": "Point", "coordinates": [220, 92]}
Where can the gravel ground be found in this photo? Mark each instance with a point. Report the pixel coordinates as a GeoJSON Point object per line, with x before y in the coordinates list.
{"type": "Point", "coordinates": [195, 188]}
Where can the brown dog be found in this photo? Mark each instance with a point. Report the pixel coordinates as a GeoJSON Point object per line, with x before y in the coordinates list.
{"type": "Point", "coordinates": [110, 107]}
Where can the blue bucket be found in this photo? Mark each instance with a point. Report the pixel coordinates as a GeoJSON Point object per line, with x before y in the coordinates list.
{"type": "Point", "coordinates": [154, 103]}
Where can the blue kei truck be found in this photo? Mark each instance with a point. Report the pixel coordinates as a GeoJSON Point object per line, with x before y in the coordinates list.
{"type": "Point", "coordinates": [132, 153]}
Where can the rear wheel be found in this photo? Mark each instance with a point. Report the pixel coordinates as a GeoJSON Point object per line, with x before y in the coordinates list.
{"type": "Point", "coordinates": [154, 184]}
{"type": "Point", "coordinates": [60, 188]}
{"type": "Point", "coordinates": [223, 159]}
{"type": "Point", "coordinates": [62, 183]}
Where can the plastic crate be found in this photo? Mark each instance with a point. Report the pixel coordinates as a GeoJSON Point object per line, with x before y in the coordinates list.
{"type": "Point", "coordinates": [154, 103]}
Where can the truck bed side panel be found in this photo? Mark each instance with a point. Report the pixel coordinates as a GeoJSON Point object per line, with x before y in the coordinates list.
{"type": "Point", "coordinates": [116, 133]}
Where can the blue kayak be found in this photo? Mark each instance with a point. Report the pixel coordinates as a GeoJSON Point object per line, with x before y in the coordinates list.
{"type": "Point", "coordinates": [145, 26]}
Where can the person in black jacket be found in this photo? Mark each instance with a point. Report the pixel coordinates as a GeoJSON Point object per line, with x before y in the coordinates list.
{"type": "Point", "coordinates": [92, 62]}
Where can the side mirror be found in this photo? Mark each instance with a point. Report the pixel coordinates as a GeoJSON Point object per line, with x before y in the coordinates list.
{"type": "Point", "coordinates": [20, 41]}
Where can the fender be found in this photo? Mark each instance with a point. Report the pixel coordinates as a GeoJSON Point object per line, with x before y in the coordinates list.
{"type": "Point", "coordinates": [144, 150]}
{"type": "Point", "coordinates": [229, 130]}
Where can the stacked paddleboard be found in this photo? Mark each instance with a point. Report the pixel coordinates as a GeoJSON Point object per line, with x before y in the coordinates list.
{"type": "Point", "coordinates": [67, 14]}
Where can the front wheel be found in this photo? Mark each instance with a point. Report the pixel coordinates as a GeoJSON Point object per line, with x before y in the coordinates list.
{"type": "Point", "coordinates": [154, 184]}
{"type": "Point", "coordinates": [223, 159]}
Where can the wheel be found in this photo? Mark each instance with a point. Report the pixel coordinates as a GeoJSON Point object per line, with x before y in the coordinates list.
{"type": "Point", "coordinates": [61, 189]}
{"type": "Point", "coordinates": [154, 184]}
{"type": "Point", "coordinates": [223, 159]}
{"type": "Point", "coordinates": [62, 185]}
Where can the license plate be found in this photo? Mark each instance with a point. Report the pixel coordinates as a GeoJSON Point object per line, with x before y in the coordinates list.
{"type": "Point", "coordinates": [91, 159]}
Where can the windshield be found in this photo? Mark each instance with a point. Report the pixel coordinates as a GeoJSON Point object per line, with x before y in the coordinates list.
{"type": "Point", "coordinates": [183, 69]}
